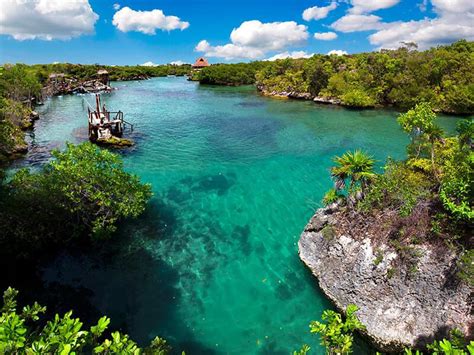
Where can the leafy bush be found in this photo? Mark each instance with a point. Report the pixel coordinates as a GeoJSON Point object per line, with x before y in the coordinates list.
{"type": "Point", "coordinates": [331, 196]}
{"type": "Point", "coordinates": [336, 334]}
{"type": "Point", "coordinates": [456, 165]}
{"type": "Point", "coordinates": [357, 98]}
{"type": "Point", "coordinates": [230, 74]}
{"type": "Point", "coordinates": [22, 333]}
{"type": "Point", "coordinates": [399, 188]}
{"type": "Point", "coordinates": [90, 184]}
{"type": "Point", "coordinates": [84, 190]}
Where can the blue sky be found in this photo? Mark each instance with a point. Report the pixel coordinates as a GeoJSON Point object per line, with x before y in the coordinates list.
{"type": "Point", "coordinates": [85, 31]}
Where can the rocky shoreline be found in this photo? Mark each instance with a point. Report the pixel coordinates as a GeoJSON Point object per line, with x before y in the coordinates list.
{"type": "Point", "coordinates": [301, 96]}
{"type": "Point", "coordinates": [401, 309]}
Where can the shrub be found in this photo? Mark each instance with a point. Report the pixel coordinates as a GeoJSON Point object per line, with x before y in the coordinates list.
{"type": "Point", "coordinates": [22, 333]}
{"type": "Point", "coordinates": [331, 196]}
{"type": "Point", "coordinates": [358, 98]}
{"type": "Point", "coordinates": [399, 188]}
{"type": "Point", "coordinates": [336, 334]}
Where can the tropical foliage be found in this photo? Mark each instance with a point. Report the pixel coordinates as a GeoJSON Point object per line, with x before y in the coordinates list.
{"type": "Point", "coordinates": [356, 166]}
{"type": "Point", "coordinates": [83, 190]}
{"type": "Point", "coordinates": [442, 76]}
{"type": "Point", "coordinates": [337, 330]}
{"type": "Point", "coordinates": [426, 198]}
{"type": "Point", "coordinates": [24, 332]}
{"type": "Point", "coordinates": [229, 74]}
{"type": "Point", "coordinates": [337, 333]}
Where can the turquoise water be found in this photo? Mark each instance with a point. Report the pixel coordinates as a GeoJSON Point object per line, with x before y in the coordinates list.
{"type": "Point", "coordinates": [213, 264]}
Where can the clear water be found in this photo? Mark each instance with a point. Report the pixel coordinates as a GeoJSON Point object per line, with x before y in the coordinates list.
{"type": "Point", "coordinates": [213, 264]}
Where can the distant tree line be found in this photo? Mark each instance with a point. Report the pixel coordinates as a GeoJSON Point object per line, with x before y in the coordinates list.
{"type": "Point", "coordinates": [442, 76]}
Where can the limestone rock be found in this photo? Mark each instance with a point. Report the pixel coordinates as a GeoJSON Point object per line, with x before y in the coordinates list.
{"type": "Point", "coordinates": [397, 309]}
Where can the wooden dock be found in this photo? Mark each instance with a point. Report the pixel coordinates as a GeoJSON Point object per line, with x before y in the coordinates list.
{"type": "Point", "coordinates": [107, 127]}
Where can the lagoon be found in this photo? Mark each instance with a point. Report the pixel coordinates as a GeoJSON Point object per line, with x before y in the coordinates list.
{"type": "Point", "coordinates": [213, 264]}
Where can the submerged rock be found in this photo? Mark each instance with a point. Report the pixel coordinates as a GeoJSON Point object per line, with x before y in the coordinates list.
{"type": "Point", "coordinates": [116, 142]}
{"type": "Point", "coordinates": [399, 309]}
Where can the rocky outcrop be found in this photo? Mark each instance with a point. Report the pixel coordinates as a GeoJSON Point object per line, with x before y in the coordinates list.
{"type": "Point", "coordinates": [299, 96]}
{"type": "Point", "coordinates": [133, 77]}
{"type": "Point", "coordinates": [398, 307]}
{"type": "Point", "coordinates": [67, 86]}
{"type": "Point", "coordinates": [285, 94]}
{"type": "Point", "coordinates": [327, 100]}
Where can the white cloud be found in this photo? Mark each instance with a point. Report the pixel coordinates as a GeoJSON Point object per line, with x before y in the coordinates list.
{"type": "Point", "coordinates": [317, 13]}
{"type": "Point", "coordinates": [293, 55]}
{"type": "Point", "coordinates": [366, 6]}
{"type": "Point", "coordinates": [116, 6]}
{"type": "Point", "coordinates": [271, 36]}
{"type": "Point", "coordinates": [178, 62]}
{"type": "Point", "coordinates": [337, 52]}
{"type": "Point", "coordinates": [453, 6]}
{"type": "Point", "coordinates": [325, 36]}
{"type": "Point", "coordinates": [253, 39]}
{"type": "Point", "coordinates": [229, 51]}
{"type": "Point", "coordinates": [455, 21]}
{"type": "Point", "coordinates": [46, 19]}
{"type": "Point", "coordinates": [353, 23]}
{"type": "Point", "coordinates": [149, 64]}
{"type": "Point", "coordinates": [147, 22]}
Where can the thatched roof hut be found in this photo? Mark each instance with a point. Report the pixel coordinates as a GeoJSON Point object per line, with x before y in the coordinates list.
{"type": "Point", "coordinates": [201, 63]}
{"type": "Point", "coordinates": [103, 76]}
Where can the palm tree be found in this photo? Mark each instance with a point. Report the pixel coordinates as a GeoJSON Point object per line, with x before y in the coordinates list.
{"type": "Point", "coordinates": [356, 166]}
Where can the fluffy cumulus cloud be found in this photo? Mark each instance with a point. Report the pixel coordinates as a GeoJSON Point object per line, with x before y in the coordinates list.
{"type": "Point", "coordinates": [317, 13]}
{"type": "Point", "coordinates": [178, 62]}
{"type": "Point", "coordinates": [229, 51]}
{"type": "Point", "coordinates": [253, 39]}
{"type": "Point", "coordinates": [366, 6]}
{"type": "Point", "coordinates": [149, 64]}
{"type": "Point", "coordinates": [353, 23]}
{"type": "Point", "coordinates": [455, 21]}
{"type": "Point", "coordinates": [325, 36]}
{"type": "Point", "coordinates": [294, 55]}
{"type": "Point", "coordinates": [146, 22]}
{"type": "Point", "coordinates": [46, 19]}
{"type": "Point", "coordinates": [358, 17]}
{"type": "Point", "coordinates": [337, 52]}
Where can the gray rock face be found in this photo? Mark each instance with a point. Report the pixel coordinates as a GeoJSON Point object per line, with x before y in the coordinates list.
{"type": "Point", "coordinates": [398, 309]}
{"type": "Point", "coordinates": [327, 100]}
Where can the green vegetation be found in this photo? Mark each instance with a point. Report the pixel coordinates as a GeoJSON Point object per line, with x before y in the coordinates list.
{"type": "Point", "coordinates": [428, 198]}
{"type": "Point", "coordinates": [23, 332]}
{"type": "Point", "coordinates": [441, 76]}
{"type": "Point", "coordinates": [88, 72]}
{"type": "Point", "coordinates": [82, 191]}
{"type": "Point", "coordinates": [229, 74]}
{"type": "Point", "coordinates": [336, 334]}
{"type": "Point", "coordinates": [357, 167]}
{"type": "Point", "coordinates": [18, 89]}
